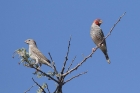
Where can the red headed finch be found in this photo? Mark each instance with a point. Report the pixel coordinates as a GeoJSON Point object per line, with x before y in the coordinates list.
{"type": "Point", "coordinates": [97, 36]}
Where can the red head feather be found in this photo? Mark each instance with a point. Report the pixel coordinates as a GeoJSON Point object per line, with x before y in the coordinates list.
{"type": "Point", "coordinates": [98, 22]}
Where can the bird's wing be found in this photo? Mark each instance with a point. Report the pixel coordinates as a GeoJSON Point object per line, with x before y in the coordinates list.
{"type": "Point", "coordinates": [39, 54]}
{"type": "Point", "coordinates": [97, 35]}
{"type": "Point", "coordinates": [101, 36]}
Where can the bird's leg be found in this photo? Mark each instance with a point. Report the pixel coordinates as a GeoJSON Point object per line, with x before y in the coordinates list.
{"type": "Point", "coordinates": [38, 68]}
{"type": "Point", "coordinates": [37, 65]}
{"type": "Point", "coordinates": [100, 44]}
{"type": "Point", "coordinates": [36, 61]}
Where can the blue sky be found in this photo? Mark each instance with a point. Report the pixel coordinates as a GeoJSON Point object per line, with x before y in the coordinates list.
{"type": "Point", "coordinates": [51, 23]}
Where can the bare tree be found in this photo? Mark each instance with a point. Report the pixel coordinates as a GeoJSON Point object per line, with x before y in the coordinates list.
{"type": "Point", "coordinates": [56, 76]}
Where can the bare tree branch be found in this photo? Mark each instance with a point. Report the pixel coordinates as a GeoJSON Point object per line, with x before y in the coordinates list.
{"type": "Point", "coordinates": [71, 64]}
{"type": "Point", "coordinates": [66, 58]}
{"type": "Point", "coordinates": [60, 79]}
{"type": "Point", "coordinates": [54, 67]}
{"type": "Point", "coordinates": [39, 85]}
{"type": "Point", "coordinates": [30, 88]}
{"type": "Point", "coordinates": [50, 56]}
{"type": "Point", "coordinates": [78, 64]}
{"type": "Point", "coordinates": [90, 55]}
{"type": "Point", "coordinates": [74, 77]}
{"type": "Point", "coordinates": [115, 25]}
{"type": "Point", "coordinates": [56, 89]}
{"type": "Point", "coordinates": [48, 88]}
{"type": "Point", "coordinates": [45, 74]}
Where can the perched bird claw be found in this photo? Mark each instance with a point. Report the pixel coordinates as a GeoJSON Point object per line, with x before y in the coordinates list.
{"type": "Point", "coordinates": [93, 49]}
{"type": "Point", "coordinates": [100, 44]}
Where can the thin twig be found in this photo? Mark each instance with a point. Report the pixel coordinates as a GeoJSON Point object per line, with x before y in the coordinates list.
{"type": "Point", "coordinates": [112, 28]}
{"type": "Point", "coordinates": [45, 74]}
{"type": "Point", "coordinates": [48, 88]}
{"type": "Point", "coordinates": [30, 88]}
{"type": "Point", "coordinates": [39, 85]}
{"type": "Point", "coordinates": [115, 25]}
{"type": "Point", "coordinates": [90, 55]}
{"type": "Point", "coordinates": [50, 56]}
{"type": "Point", "coordinates": [55, 90]}
{"type": "Point", "coordinates": [14, 54]}
{"type": "Point", "coordinates": [66, 58]}
{"type": "Point", "coordinates": [79, 64]}
{"type": "Point", "coordinates": [54, 67]}
{"type": "Point", "coordinates": [75, 77]}
{"type": "Point", "coordinates": [71, 64]}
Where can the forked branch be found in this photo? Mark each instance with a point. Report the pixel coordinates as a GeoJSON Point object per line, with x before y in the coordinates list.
{"type": "Point", "coordinates": [39, 85]}
{"type": "Point", "coordinates": [90, 55]}
{"type": "Point", "coordinates": [66, 58]}
{"type": "Point", "coordinates": [74, 77]}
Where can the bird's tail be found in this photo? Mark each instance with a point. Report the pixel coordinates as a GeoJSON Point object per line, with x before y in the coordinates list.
{"type": "Point", "coordinates": [49, 65]}
{"type": "Point", "coordinates": [107, 58]}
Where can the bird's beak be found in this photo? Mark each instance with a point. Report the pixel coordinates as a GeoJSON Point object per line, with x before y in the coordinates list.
{"type": "Point", "coordinates": [25, 41]}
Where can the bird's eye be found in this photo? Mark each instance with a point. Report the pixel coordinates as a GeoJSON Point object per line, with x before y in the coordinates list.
{"type": "Point", "coordinates": [28, 40]}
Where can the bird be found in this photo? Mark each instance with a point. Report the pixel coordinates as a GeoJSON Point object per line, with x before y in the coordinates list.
{"type": "Point", "coordinates": [97, 36]}
{"type": "Point", "coordinates": [35, 54]}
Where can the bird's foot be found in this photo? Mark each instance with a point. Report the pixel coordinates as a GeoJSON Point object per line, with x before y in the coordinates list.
{"type": "Point", "coordinates": [38, 68]}
{"type": "Point", "coordinates": [93, 49]}
{"type": "Point", "coordinates": [99, 44]}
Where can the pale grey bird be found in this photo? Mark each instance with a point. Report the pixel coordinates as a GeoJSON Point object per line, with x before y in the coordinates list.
{"type": "Point", "coordinates": [97, 36]}
{"type": "Point", "coordinates": [35, 54]}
